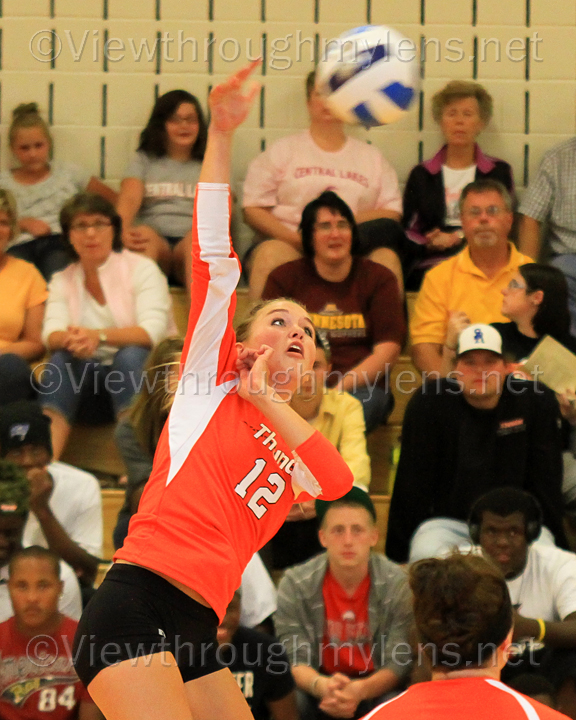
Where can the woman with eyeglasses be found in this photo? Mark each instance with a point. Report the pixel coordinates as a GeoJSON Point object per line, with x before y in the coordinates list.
{"type": "Point", "coordinates": [536, 302]}
{"type": "Point", "coordinates": [353, 299]}
{"type": "Point", "coordinates": [157, 193]}
{"type": "Point", "coordinates": [104, 313]}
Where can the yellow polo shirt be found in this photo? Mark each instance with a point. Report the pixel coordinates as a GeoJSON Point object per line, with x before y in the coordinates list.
{"type": "Point", "coordinates": [341, 421]}
{"type": "Point", "coordinates": [457, 284]}
{"type": "Point", "coordinates": [21, 288]}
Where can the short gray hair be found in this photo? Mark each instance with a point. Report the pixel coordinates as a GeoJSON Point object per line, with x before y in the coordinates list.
{"type": "Point", "coordinates": [485, 185]}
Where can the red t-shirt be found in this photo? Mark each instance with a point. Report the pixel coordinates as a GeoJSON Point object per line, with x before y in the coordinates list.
{"type": "Point", "coordinates": [361, 311]}
{"type": "Point", "coordinates": [462, 699]}
{"type": "Point", "coordinates": [347, 639]}
{"type": "Point", "coordinates": [37, 678]}
{"type": "Point", "coordinates": [221, 485]}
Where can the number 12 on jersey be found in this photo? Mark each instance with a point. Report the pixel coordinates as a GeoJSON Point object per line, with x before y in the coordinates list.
{"type": "Point", "coordinates": [266, 494]}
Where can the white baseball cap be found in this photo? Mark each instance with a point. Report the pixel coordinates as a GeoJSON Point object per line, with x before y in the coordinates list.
{"type": "Point", "coordinates": [479, 337]}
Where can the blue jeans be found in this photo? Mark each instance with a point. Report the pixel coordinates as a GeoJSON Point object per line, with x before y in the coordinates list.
{"type": "Point", "coordinates": [441, 535]}
{"type": "Point", "coordinates": [377, 404]}
{"type": "Point", "coordinates": [15, 379]}
{"type": "Point", "coordinates": [66, 381]}
{"type": "Point", "coordinates": [567, 264]}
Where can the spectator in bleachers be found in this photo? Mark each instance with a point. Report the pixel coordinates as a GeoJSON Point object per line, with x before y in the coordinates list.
{"type": "Point", "coordinates": [14, 507]}
{"type": "Point", "coordinates": [341, 615]}
{"type": "Point", "coordinates": [65, 503]}
{"type": "Point", "coordinates": [37, 677]}
{"type": "Point", "coordinates": [432, 220]}
{"type": "Point", "coordinates": [541, 578]}
{"type": "Point", "coordinates": [535, 302]}
{"type": "Point", "coordinates": [259, 665]}
{"type": "Point", "coordinates": [471, 282]}
{"type": "Point", "coordinates": [298, 168]}
{"type": "Point", "coordinates": [104, 313]}
{"type": "Point", "coordinates": [41, 187]}
{"type": "Point", "coordinates": [339, 417]}
{"type": "Point", "coordinates": [461, 438]}
{"type": "Point", "coordinates": [22, 297]}
{"type": "Point", "coordinates": [548, 211]}
{"type": "Point", "coordinates": [353, 299]}
{"type": "Point", "coordinates": [157, 193]}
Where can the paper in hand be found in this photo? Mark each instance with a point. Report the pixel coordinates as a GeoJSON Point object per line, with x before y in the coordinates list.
{"type": "Point", "coordinates": [552, 364]}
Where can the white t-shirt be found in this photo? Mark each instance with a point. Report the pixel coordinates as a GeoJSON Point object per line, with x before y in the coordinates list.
{"type": "Point", "coordinates": [76, 503]}
{"type": "Point", "coordinates": [44, 199]}
{"type": "Point", "coordinates": [294, 171]}
{"type": "Point", "coordinates": [259, 594]}
{"type": "Point", "coordinates": [454, 182]}
{"type": "Point", "coordinates": [70, 602]}
{"type": "Point", "coordinates": [169, 189]}
{"type": "Point", "coordinates": [547, 587]}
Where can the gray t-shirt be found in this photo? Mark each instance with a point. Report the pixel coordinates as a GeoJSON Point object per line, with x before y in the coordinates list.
{"type": "Point", "coordinates": [169, 191]}
{"type": "Point", "coordinates": [44, 199]}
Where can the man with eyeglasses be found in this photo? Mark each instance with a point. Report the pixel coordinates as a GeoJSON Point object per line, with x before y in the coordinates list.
{"type": "Point", "coordinates": [65, 503]}
{"type": "Point", "coordinates": [467, 288]}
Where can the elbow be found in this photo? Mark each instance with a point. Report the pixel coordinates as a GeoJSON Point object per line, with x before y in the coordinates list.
{"type": "Point", "coordinates": [343, 482]}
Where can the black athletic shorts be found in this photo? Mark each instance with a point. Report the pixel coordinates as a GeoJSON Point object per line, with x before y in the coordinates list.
{"type": "Point", "coordinates": [134, 613]}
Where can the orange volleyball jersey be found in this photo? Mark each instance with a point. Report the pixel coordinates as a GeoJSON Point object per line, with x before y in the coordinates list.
{"type": "Point", "coordinates": [221, 483]}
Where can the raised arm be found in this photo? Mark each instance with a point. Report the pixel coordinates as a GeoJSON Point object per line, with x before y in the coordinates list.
{"type": "Point", "coordinates": [215, 269]}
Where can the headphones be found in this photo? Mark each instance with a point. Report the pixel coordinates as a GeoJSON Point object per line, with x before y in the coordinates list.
{"type": "Point", "coordinates": [531, 509]}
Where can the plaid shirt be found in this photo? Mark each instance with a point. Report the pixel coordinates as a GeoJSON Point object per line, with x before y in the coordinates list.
{"type": "Point", "coordinates": [551, 196]}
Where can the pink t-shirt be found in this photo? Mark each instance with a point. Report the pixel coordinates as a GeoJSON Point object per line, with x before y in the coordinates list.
{"type": "Point", "coordinates": [294, 170]}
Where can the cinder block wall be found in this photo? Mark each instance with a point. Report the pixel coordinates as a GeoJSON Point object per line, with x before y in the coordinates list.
{"type": "Point", "coordinates": [52, 51]}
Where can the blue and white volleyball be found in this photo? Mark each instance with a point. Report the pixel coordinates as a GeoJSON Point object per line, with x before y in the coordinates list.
{"type": "Point", "coordinates": [369, 75]}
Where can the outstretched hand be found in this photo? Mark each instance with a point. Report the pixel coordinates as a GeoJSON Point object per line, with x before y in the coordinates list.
{"type": "Point", "coordinates": [229, 107]}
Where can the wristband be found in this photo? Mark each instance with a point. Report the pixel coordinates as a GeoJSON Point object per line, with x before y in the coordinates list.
{"type": "Point", "coordinates": [542, 626]}
{"type": "Point", "coordinates": [314, 683]}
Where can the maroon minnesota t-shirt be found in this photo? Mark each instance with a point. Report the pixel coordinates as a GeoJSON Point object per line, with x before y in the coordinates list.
{"type": "Point", "coordinates": [361, 311]}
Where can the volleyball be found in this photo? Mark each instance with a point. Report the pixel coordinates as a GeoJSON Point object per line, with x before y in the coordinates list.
{"type": "Point", "coordinates": [369, 75]}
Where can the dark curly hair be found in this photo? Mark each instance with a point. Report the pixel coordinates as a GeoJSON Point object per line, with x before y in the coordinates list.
{"type": "Point", "coordinates": [462, 609]}
{"type": "Point", "coordinates": [153, 139]}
